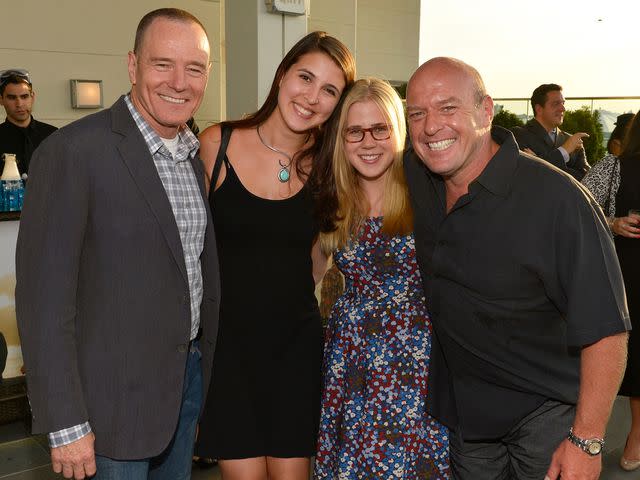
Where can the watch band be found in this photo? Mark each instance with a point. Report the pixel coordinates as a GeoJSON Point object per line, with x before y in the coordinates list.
{"type": "Point", "coordinates": [591, 446]}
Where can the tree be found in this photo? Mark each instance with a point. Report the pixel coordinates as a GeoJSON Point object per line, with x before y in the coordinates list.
{"type": "Point", "coordinates": [505, 118]}
{"type": "Point", "coordinates": [584, 120]}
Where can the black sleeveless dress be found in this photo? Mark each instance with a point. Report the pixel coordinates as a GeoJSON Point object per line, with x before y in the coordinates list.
{"type": "Point", "coordinates": [264, 397]}
{"type": "Point", "coordinates": [628, 249]}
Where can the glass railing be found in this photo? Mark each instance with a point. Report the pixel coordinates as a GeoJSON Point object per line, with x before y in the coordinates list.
{"type": "Point", "coordinates": [609, 108]}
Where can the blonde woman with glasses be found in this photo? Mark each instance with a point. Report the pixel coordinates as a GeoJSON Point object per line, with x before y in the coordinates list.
{"type": "Point", "coordinates": [378, 341]}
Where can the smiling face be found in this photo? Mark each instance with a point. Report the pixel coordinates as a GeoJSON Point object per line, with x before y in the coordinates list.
{"type": "Point", "coordinates": [309, 91]}
{"type": "Point", "coordinates": [449, 125]}
{"type": "Point", "coordinates": [169, 74]}
{"type": "Point", "coordinates": [551, 114]}
{"type": "Point", "coordinates": [17, 100]}
{"type": "Point", "coordinates": [370, 158]}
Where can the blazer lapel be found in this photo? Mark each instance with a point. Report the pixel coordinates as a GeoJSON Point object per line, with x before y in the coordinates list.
{"type": "Point", "coordinates": [541, 132]}
{"type": "Point", "coordinates": [138, 160]}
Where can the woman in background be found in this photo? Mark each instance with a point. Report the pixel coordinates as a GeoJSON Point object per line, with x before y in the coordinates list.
{"type": "Point", "coordinates": [261, 415]}
{"type": "Point", "coordinates": [378, 341]}
{"type": "Point", "coordinates": [614, 144]}
{"type": "Point", "coordinates": [615, 184]}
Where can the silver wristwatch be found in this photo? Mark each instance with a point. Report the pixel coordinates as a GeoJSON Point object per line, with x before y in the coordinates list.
{"type": "Point", "coordinates": [592, 446]}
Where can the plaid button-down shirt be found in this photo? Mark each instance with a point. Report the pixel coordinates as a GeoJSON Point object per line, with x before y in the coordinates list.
{"type": "Point", "coordinates": [189, 210]}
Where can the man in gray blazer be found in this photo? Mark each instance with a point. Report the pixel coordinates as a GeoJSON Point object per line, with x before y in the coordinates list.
{"type": "Point", "coordinates": [117, 290]}
{"type": "Point", "coordinates": [541, 136]}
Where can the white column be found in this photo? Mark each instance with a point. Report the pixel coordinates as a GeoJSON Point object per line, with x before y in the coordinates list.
{"type": "Point", "coordinates": [256, 42]}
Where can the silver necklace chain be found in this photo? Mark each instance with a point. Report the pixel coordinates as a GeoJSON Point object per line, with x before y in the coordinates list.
{"type": "Point", "coordinates": [284, 175]}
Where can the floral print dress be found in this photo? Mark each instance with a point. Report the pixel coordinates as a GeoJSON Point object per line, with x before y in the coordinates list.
{"type": "Point", "coordinates": [373, 423]}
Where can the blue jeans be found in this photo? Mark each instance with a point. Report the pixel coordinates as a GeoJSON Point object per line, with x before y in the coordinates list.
{"type": "Point", "coordinates": [175, 462]}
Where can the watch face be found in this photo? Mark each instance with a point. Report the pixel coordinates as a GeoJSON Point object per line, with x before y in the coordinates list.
{"type": "Point", "coordinates": [594, 448]}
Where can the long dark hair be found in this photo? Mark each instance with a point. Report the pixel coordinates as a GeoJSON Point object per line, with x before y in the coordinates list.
{"type": "Point", "coordinates": [322, 146]}
{"type": "Point", "coordinates": [620, 130]}
{"type": "Point", "coordinates": [631, 144]}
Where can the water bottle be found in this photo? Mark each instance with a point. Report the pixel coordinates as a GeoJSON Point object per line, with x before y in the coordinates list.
{"type": "Point", "coordinates": [12, 186]}
{"type": "Point", "coordinates": [3, 206]}
{"type": "Point", "coordinates": [14, 191]}
{"type": "Point", "coordinates": [23, 187]}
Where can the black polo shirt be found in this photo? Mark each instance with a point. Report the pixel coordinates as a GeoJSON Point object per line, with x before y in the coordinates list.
{"type": "Point", "coordinates": [518, 277]}
{"type": "Point", "coordinates": [23, 140]}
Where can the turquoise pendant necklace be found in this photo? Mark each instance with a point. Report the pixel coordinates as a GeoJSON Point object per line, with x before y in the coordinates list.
{"type": "Point", "coordinates": [284, 175]}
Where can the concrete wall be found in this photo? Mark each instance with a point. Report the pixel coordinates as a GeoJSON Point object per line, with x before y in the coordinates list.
{"type": "Point", "coordinates": [58, 41]}
{"type": "Point", "coordinates": [336, 17]}
{"type": "Point", "coordinates": [255, 43]}
{"type": "Point", "coordinates": [384, 35]}
{"type": "Point", "coordinates": [388, 38]}
{"type": "Point", "coordinates": [66, 39]}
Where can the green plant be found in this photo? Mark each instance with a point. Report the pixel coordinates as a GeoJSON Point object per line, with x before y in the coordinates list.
{"type": "Point", "coordinates": [584, 120]}
{"type": "Point", "coordinates": [505, 118]}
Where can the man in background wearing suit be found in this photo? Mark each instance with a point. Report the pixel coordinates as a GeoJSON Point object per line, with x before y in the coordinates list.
{"type": "Point", "coordinates": [117, 270]}
{"type": "Point", "coordinates": [541, 136]}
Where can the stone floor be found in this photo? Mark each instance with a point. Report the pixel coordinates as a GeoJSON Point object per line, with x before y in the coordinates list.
{"type": "Point", "coordinates": [24, 457]}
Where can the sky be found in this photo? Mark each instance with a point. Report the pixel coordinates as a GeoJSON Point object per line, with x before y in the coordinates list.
{"type": "Point", "coordinates": [591, 48]}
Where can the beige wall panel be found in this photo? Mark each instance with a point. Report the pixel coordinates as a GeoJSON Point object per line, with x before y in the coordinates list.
{"type": "Point", "coordinates": [383, 35]}
{"type": "Point", "coordinates": [241, 27]}
{"type": "Point", "coordinates": [384, 54]}
{"type": "Point", "coordinates": [336, 17]}
{"type": "Point", "coordinates": [407, 6]}
{"type": "Point", "coordinates": [388, 38]}
{"type": "Point", "coordinates": [342, 10]}
{"type": "Point", "coordinates": [51, 72]}
{"type": "Point", "coordinates": [84, 39]}
{"type": "Point", "coordinates": [104, 27]}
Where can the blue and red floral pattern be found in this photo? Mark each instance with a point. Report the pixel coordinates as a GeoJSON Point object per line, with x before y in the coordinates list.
{"type": "Point", "coordinates": [376, 361]}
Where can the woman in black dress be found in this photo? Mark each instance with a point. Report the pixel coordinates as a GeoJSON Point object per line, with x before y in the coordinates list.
{"type": "Point", "coordinates": [615, 184]}
{"type": "Point", "coordinates": [261, 416]}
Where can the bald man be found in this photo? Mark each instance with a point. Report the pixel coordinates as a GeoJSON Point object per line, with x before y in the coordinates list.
{"type": "Point", "coordinates": [524, 286]}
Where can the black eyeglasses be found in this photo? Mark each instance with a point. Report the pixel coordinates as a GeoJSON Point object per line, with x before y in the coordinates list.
{"type": "Point", "coordinates": [5, 75]}
{"type": "Point", "coordinates": [378, 132]}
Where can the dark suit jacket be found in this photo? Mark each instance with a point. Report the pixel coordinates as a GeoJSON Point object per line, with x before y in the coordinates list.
{"type": "Point", "coordinates": [102, 296]}
{"type": "Point", "coordinates": [534, 136]}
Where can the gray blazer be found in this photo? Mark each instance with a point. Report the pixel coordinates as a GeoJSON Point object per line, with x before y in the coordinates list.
{"type": "Point", "coordinates": [102, 296]}
{"type": "Point", "coordinates": [534, 136]}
